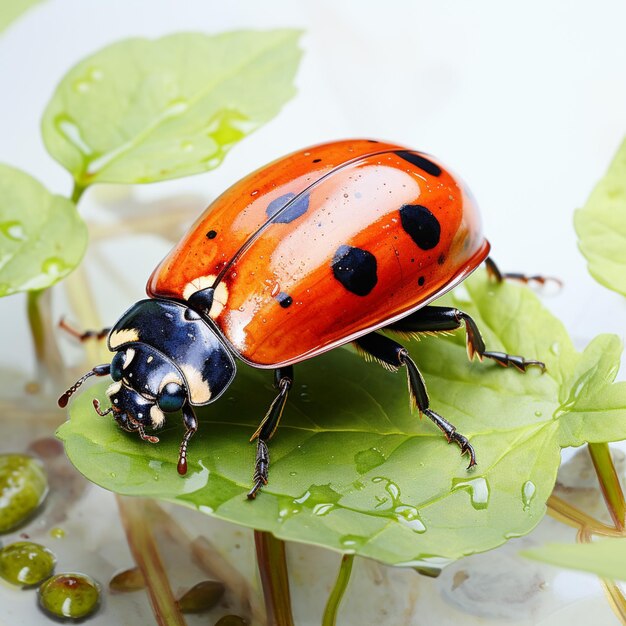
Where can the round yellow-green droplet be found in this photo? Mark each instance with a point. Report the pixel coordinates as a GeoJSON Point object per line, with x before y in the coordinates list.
{"type": "Point", "coordinates": [231, 620]}
{"type": "Point", "coordinates": [26, 563]}
{"type": "Point", "coordinates": [69, 595]}
{"type": "Point", "coordinates": [57, 533]}
{"type": "Point", "coordinates": [23, 487]}
{"type": "Point", "coordinates": [201, 597]}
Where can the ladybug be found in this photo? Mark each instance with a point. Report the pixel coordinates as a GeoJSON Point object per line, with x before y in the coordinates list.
{"type": "Point", "coordinates": [321, 248]}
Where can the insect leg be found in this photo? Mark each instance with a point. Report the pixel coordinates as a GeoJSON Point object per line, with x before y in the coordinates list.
{"type": "Point", "coordinates": [191, 423]}
{"type": "Point", "coordinates": [283, 379]}
{"type": "Point", "coordinates": [495, 274]}
{"type": "Point", "coordinates": [392, 355]}
{"type": "Point", "coordinates": [438, 319]}
{"type": "Point", "coordinates": [88, 334]}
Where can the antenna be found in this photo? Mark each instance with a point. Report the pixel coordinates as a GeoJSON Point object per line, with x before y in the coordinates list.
{"type": "Point", "coordinates": [99, 370]}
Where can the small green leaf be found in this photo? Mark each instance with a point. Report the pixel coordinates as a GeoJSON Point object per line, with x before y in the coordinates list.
{"type": "Point", "coordinates": [141, 110]}
{"type": "Point", "coordinates": [601, 226]}
{"type": "Point", "coordinates": [354, 471]}
{"type": "Point", "coordinates": [10, 10]}
{"type": "Point", "coordinates": [42, 237]}
{"type": "Point", "coordinates": [606, 558]}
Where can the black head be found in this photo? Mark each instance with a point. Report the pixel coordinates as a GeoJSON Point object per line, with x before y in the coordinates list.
{"type": "Point", "coordinates": [166, 356]}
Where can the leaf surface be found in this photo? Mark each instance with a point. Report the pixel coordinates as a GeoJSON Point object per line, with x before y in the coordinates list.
{"type": "Point", "coordinates": [42, 237]}
{"type": "Point", "coordinates": [141, 110]}
{"type": "Point", "coordinates": [601, 226]}
{"type": "Point", "coordinates": [606, 558]}
{"type": "Point", "coordinates": [353, 470]}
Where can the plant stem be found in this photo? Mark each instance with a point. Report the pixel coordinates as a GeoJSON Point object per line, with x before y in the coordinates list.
{"type": "Point", "coordinates": [609, 482]}
{"type": "Point", "coordinates": [146, 554]}
{"type": "Point", "coordinates": [77, 192]}
{"type": "Point", "coordinates": [81, 299]}
{"type": "Point", "coordinates": [616, 598]}
{"type": "Point", "coordinates": [273, 570]}
{"type": "Point", "coordinates": [570, 515]}
{"type": "Point", "coordinates": [49, 360]}
{"type": "Point", "coordinates": [343, 578]}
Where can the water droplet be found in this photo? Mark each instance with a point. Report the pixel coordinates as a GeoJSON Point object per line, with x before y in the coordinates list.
{"type": "Point", "coordinates": [57, 533]}
{"type": "Point", "coordinates": [54, 266]}
{"type": "Point", "coordinates": [287, 508]}
{"type": "Point", "coordinates": [176, 107]}
{"type": "Point", "coordinates": [13, 230]}
{"type": "Point", "coordinates": [293, 473]}
{"type": "Point", "coordinates": [365, 460]}
{"type": "Point", "coordinates": [528, 493]}
{"type": "Point", "coordinates": [187, 146]}
{"type": "Point", "coordinates": [478, 489]}
{"type": "Point", "coordinates": [538, 413]}
{"type": "Point", "coordinates": [320, 499]}
{"type": "Point", "coordinates": [323, 509]}
{"type": "Point", "coordinates": [408, 516]}
{"type": "Point", "coordinates": [81, 86]}
{"type": "Point", "coordinates": [112, 474]}
{"type": "Point", "coordinates": [71, 131]}
{"type": "Point", "coordinates": [555, 348]}
{"type": "Point", "coordinates": [351, 542]}
{"type": "Point", "coordinates": [96, 74]}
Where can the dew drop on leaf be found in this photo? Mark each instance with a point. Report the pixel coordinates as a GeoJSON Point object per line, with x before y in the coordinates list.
{"type": "Point", "coordinates": [528, 493]}
{"type": "Point", "coordinates": [13, 230]}
{"type": "Point", "coordinates": [478, 489]}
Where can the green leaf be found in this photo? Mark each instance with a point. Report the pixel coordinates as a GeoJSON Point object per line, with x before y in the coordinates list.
{"type": "Point", "coordinates": [601, 226]}
{"type": "Point", "coordinates": [10, 10]}
{"type": "Point", "coordinates": [42, 237]}
{"type": "Point", "coordinates": [141, 110]}
{"type": "Point", "coordinates": [606, 558]}
{"type": "Point", "coordinates": [353, 470]}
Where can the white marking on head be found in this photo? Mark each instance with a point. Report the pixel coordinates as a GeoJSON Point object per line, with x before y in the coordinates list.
{"type": "Point", "coordinates": [114, 388]}
{"type": "Point", "coordinates": [128, 357]}
{"type": "Point", "coordinates": [198, 388]}
{"type": "Point", "coordinates": [203, 282]}
{"type": "Point", "coordinates": [150, 359]}
{"type": "Point", "coordinates": [170, 377]}
{"type": "Point", "coordinates": [125, 335]}
{"type": "Point", "coordinates": [156, 416]}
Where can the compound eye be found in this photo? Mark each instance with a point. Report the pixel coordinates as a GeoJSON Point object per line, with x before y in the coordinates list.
{"type": "Point", "coordinates": [117, 364]}
{"type": "Point", "coordinates": [171, 398]}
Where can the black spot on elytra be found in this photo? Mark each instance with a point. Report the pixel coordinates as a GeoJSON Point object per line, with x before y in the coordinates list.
{"type": "Point", "coordinates": [212, 234]}
{"type": "Point", "coordinates": [294, 211]}
{"type": "Point", "coordinates": [355, 269]}
{"type": "Point", "coordinates": [442, 258]}
{"type": "Point", "coordinates": [421, 225]}
{"type": "Point", "coordinates": [284, 300]}
{"type": "Point", "coordinates": [316, 160]}
{"type": "Point", "coordinates": [373, 141]}
{"type": "Point", "coordinates": [421, 280]}
{"type": "Point", "coordinates": [419, 161]}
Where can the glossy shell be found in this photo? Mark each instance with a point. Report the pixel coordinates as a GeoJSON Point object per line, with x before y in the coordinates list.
{"type": "Point", "coordinates": [325, 245]}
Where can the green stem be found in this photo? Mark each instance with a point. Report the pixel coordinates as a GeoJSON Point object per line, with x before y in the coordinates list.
{"type": "Point", "coordinates": [144, 549]}
{"type": "Point", "coordinates": [274, 579]}
{"type": "Point", "coordinates": [609, 482]}
{"type": "Point", "coordinates": [77, 192]}
{"type": "Point", "coordinates": [343, 578]}
{"type": "Point", "coordinates": [47, 353]}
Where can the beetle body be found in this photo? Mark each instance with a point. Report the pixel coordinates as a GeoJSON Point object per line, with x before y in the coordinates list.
{"type": "Point", "coordinates": [323, 246]}
{"type": "Point", "coordinates": [315, 250]}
